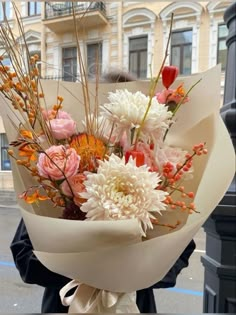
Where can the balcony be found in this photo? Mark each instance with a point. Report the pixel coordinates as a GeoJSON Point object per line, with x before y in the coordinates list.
{"type": "Point", "coordinates": [59, 16]}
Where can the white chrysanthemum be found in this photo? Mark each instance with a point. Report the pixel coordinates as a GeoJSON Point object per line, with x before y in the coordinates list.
{"type": "Point", "coordinates": [123, 191]}
{"type": "Point", "coordinates": [127, 110]}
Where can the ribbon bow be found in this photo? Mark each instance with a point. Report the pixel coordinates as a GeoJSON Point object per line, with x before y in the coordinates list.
{"type": "Point", "coordinates": [87, 299]}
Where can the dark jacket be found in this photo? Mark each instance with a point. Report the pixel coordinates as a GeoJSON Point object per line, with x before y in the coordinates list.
{"type": "Point", "coordinates": [33, 272]}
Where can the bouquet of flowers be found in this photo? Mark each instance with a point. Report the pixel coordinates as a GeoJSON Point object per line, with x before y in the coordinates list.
{"type": "Point", "coordinates": [113, 181]}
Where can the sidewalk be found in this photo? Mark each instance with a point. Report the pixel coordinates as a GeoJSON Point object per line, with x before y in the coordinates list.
{"type": "Point", "coordinates": [8, 199]}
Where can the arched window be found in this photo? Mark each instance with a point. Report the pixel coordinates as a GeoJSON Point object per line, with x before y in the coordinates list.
{"type": "Point", "coordinates": [33, 41]}
{"type": "Point", "coordinates": [184, 46]}
{"type": "Point", "coordinates": [138, 41]}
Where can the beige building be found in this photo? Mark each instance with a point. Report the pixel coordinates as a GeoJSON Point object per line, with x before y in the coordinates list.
{"type": "Point", "coordinates": [124, 35]}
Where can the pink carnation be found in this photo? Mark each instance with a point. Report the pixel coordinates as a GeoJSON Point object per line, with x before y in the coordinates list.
{"type": "Point", "coordinates": [75, 188]}
{"type": "Point", "coordinates": [58, 162]}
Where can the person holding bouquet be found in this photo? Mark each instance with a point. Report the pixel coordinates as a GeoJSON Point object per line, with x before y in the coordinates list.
{"type": "Point", "coordinates": [32, 271]}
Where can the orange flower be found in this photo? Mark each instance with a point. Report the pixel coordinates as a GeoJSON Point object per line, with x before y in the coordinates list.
{"type": "Point", "coordinates": [179, 91]}
{"type": "Point", "coordinates": [90, 149]}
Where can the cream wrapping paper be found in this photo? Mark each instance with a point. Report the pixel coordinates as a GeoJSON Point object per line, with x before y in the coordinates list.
{"type": "Point", "coordinates": [109, 255]}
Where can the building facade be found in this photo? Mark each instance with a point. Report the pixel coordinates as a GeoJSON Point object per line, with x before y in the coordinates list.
{"type": "Point", "coordinates": [124, 35]}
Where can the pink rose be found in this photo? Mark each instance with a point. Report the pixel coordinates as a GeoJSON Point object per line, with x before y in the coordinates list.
{"type": "Point", "coordinates": [58, 162]}
{"type": "Point", "coordinates": [60, 123]}
{"type": "Point", "coordinates": [52, 114]}
{"type": "Point", "coordinates": [76, 185]}
{"type": "Point", "coordinates": [62, 128]}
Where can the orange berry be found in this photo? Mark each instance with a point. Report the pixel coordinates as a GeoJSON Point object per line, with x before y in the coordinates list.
{"type": "Point", "coordinates": [177, 177]}
{"type": "Point", "coordinates": [190, 194]}
{"type": "Point", "coordinates": [192, 205]}
{"type": "Point", "coordinates": [60, 98]}
{"type": "Point", "coordinates": [178, 166]}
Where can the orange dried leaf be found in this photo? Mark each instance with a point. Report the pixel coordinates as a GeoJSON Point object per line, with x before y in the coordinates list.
{"type": "Point", "coordinates": [26, 134]}
{"type": "Point", "coordinates": [42, 198]}
{"type": "Point", "coordinates": [31, 199]}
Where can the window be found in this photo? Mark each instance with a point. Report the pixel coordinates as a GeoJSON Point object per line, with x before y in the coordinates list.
{"type": "Point", "coordinates": [94, 59]}
{"type": "Point", "coordinates": [5, 161]}
{"type": "Point", "coordinates": [5, 7]}
{"type": "Point", "coordinates": [34, 8]}
{"type": "Point", "coordinates": [221, 45]}
{"type": "Point", "coordinates": [138, 56]}
{"type": "Point", "coordinates": [69, 64]}
{"type": "Point", "coordinates": [181, 51]}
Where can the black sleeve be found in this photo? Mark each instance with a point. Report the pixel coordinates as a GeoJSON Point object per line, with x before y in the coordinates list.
{"type": "Point", "coordinates": [170, 279]}
{"type": "Point", "coordinates": [30, 268]}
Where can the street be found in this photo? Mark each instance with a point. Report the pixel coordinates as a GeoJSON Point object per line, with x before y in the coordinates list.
{"type": "Point", "coordinates": [17, 297]}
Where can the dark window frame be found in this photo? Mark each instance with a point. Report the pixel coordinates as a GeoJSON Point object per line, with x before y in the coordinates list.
{"type": "Point", "coordinates": [67, 76]}
{"type": "Point", "coordinates": [5, 7]}
{"type": "Point", "coordinates": [99, 45]}
{"type": "Point", "coordinates": [182, 46]}
{"type": "Point", "coordinates": [33, 5]}
{"type": "Point", "coordinates": [220, 39]}
{"type": "Point", "coordinates": [4, 147]}
{"type": "Point", "coordinates": [138, 51]}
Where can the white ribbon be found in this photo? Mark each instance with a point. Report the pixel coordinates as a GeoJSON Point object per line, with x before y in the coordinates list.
{"type": "Point", "coordinates": [87, 299]}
